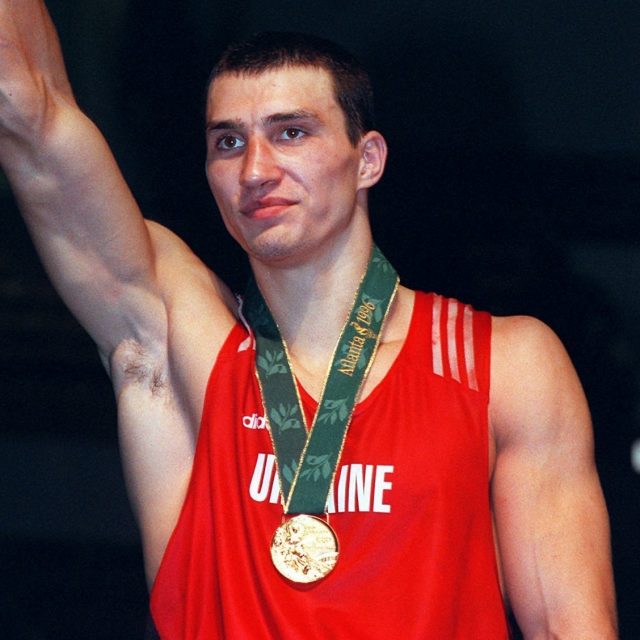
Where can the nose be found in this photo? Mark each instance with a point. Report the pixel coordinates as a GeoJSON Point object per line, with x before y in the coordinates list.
{"type": "Point", "coordinates": [259, 164]}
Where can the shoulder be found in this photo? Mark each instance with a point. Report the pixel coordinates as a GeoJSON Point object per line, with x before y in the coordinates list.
{"type": "Point", "coordinates": [527, 347]}
{"type": "Point", "coordinates": [535, 390]}
{"type": "Point", "coordinates": [514, 338]}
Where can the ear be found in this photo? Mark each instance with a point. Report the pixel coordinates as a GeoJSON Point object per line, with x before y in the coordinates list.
{"type": "Point", "coordinates": [373, 157]}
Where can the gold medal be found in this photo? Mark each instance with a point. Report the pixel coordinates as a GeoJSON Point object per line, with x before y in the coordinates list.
{"type": "Point", "coordinates": [304, 549]}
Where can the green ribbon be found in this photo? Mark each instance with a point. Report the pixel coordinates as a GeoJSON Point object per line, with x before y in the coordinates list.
{"type": "Point", "coordinates": [307, 462]}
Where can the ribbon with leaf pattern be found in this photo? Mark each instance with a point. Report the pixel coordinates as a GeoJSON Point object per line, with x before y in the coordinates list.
{"type": "Point", "coordinates": [307, 459]}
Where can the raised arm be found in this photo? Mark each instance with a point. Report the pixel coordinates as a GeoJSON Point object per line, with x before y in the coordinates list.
{"type": "Point", "coordinates": [551, 520]}
{"type": "Point", "coordinates": [84, 221]}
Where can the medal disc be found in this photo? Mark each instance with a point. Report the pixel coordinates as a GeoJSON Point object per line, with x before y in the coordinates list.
{"type": "Point", "coordinates": [304, 549]}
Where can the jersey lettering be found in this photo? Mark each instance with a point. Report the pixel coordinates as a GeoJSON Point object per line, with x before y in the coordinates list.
{"type": "Point", "coordinates": [357, 487]}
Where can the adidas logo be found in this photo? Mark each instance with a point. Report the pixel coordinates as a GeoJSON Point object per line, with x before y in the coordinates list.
{"type": "Point", "coordinates": [254, 421]}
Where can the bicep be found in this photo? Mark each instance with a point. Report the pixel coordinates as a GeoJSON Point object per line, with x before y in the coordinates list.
{"type": "Point", "coordinates": [85, 224]}
{"type": "Point", "coordinates": [551, 521]}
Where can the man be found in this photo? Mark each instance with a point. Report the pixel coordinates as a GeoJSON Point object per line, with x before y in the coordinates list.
{"type": "Point", "coordinates": [464, 423]}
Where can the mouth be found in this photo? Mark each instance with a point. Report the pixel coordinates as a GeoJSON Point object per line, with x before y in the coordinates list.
{"type": "Point", "coordinates": [265, 207]}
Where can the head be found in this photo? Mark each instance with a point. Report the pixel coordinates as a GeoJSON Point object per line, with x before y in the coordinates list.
{"type": "Point", "coordinates": [273, 50]}
{"type": "Point", "coordinates": [291, 151]}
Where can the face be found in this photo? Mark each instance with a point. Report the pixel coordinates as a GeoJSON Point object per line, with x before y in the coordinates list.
{"type": "Point", "coordinates": [279, 163]}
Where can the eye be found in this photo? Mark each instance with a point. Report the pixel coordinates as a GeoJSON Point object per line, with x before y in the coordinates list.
{"type": "Point", "coordinates": [229, 143]}
{"type": "Point", "coordinates": [292, 133]}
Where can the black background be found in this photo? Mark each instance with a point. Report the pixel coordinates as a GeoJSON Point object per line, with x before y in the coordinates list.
{"type": "Point", "coordinates": [512, 184]}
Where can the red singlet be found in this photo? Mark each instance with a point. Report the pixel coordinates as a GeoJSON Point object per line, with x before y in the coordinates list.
{"type": "Point", "coordinates": [410, 505]}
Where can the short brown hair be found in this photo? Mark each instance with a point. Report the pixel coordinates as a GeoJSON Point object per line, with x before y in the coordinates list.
{"type": "Point", "coordinates": [271, 50]}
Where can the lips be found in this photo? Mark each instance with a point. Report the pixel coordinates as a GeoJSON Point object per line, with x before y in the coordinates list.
{"type": "Point", "coordinates": [265, 207]}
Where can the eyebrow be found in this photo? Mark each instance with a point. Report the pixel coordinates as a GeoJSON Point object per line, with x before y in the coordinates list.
{"type": "Point", "coordinates": [299, 114]}
{"type": "Point", "coordinates": [214, 125]}
{"type": "Point", "coordinates": [274, 118]}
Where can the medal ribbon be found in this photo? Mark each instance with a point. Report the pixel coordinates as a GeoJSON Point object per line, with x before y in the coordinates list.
{"type": "Point", "coordinates": [307, 461]}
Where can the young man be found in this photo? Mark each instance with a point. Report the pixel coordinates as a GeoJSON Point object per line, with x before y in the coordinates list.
{"type": "Point", "coordinates": [464, 425]}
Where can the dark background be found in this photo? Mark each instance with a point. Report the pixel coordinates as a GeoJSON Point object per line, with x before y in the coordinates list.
{"type": "Point", "coordinates": [512, 184]}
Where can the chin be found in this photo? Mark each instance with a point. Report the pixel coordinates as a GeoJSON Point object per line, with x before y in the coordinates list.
{"type": "Point", "coordinates": [272, 254]}
{"type": "Point", "coordinates": [278, 251]}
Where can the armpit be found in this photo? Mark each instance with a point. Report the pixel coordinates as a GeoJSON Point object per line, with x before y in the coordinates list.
{"type": "Point", "coordinates": [131, 363]}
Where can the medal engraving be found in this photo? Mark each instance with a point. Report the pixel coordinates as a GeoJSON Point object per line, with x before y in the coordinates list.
{"type": "Point", "coordinates": [304, 549]}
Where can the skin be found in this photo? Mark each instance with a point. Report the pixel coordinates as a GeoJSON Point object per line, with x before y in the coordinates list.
{"type": "Point", "coordinates": [292, 191]}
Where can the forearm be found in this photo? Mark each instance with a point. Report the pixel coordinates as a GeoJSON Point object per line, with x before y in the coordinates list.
{"type": "Point", "coordinates": [32, 70]}
{"type": "Point", "coordinates": [559, 578]}
{"type": "Point", "coordinates": [34, 91]}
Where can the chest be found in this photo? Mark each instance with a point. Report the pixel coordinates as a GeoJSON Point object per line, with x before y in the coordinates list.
{"type": "Point", "coordinates": [414, 440]}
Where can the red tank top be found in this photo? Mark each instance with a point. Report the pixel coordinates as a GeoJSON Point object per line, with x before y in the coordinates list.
{"type": "Point", "coordinates": [410, 505]}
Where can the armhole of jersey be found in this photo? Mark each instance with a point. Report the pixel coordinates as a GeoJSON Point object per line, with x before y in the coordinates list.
{"type": "Point", "coordinates": [482, 331]}
{"type": "Point", "coordinates": [230, 348]}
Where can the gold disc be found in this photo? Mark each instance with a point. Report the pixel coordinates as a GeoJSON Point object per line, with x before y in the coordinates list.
{"type": "Point", "coordinates": [304, 549]}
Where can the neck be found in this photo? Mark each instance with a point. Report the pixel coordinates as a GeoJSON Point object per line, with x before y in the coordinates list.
{"type": "Point", "coordinates": [311, 301]}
